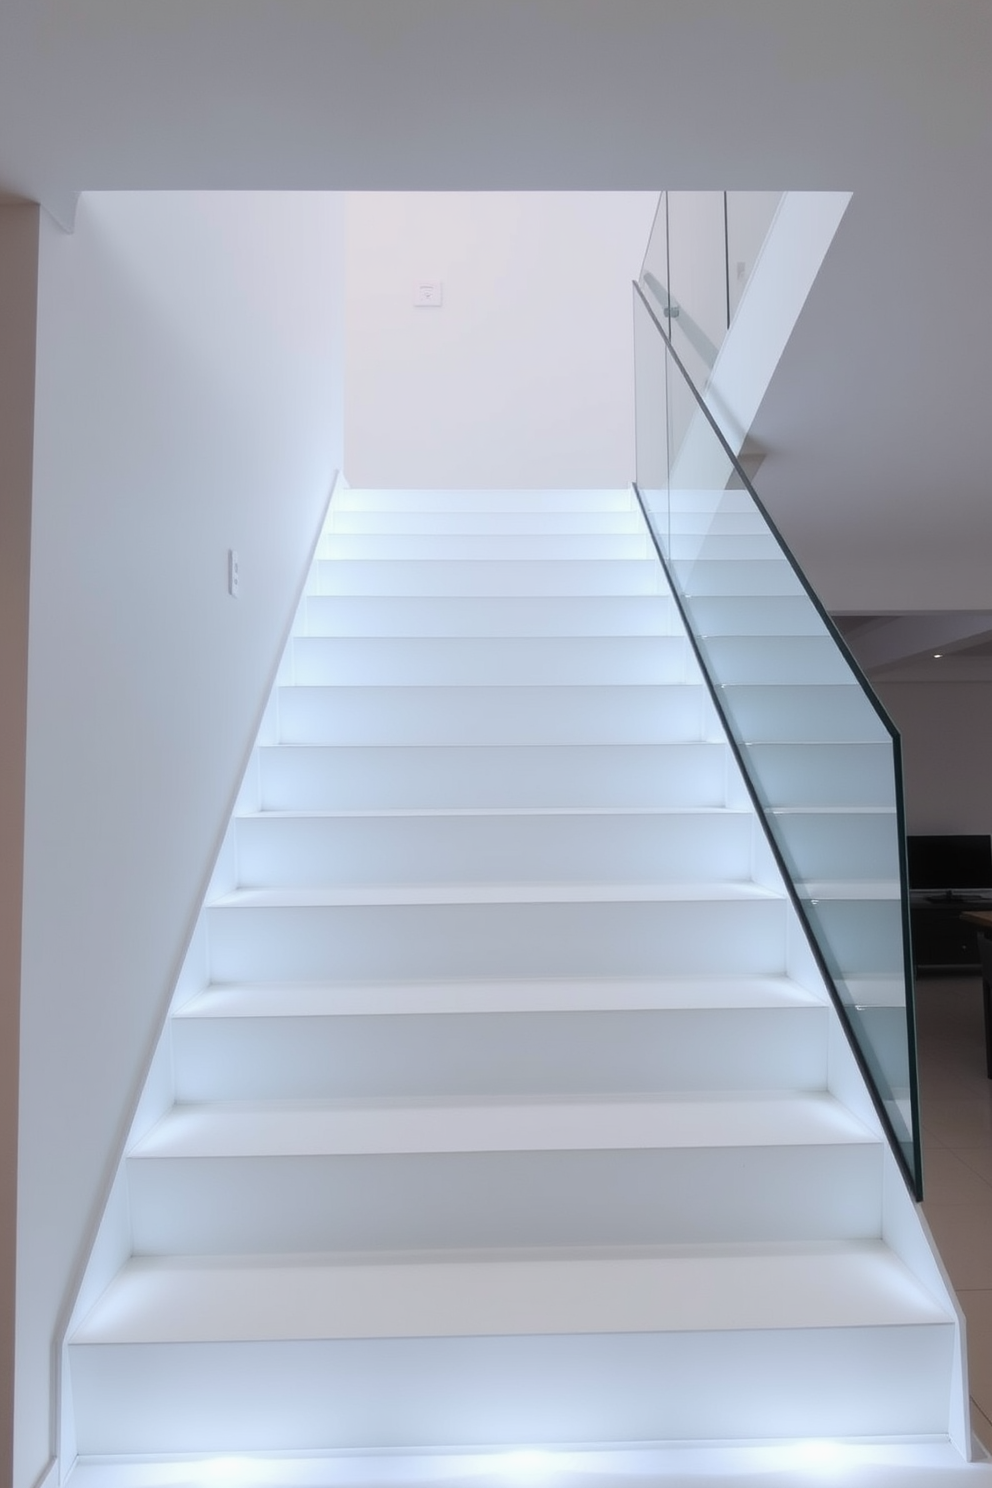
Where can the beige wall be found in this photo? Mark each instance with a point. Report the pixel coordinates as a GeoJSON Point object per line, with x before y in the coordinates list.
{"type": "Point", "coordinates": [18, 315]}
{"type": "Point", "coordinates": [946, 730]}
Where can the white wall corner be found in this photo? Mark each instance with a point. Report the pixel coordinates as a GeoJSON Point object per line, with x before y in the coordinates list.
{"type": "Point", "coordinates": [793, 252]}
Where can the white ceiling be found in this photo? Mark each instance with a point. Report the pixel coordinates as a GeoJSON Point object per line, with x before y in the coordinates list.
{"type": "Point", "coordinates": [878, 423]}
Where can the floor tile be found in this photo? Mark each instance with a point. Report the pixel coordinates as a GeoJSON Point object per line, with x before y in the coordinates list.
{"type": "Point", "coordinates": [979, 1159]}
{"type": "Point", "coordinates": [964, 1239]}
{"type": "Point", "coordinates": [949, 1180]}
{"type": "Point", "coordinates": [961, 1123]}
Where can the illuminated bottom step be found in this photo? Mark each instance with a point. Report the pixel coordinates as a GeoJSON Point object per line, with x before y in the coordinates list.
{"type": "Point", "coordinates": [803, 1463]}
{"type": "Point", "coordinates": [725, 1343]}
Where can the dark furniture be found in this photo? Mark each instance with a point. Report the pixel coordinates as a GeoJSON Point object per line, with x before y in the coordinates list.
{"type": "Point", "coordinates": [942, 942]}
{"type": "Point", "coordinates": [949, 874]}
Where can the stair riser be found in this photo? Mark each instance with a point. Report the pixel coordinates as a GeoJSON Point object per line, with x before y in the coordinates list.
{"type": "Point", "coordinates": [744, 576]}
{"type": "Point", "coordinates": [750, 615]}
{"type": "Point", "coordinates": [834, 775]}
{"type": "Point", "coordinates": [499, 502]}
{"type": "Point", "coordinates": [409, 1393]}
{"type": "Point", "coordinates": [491, 546]}
{"type": "Point", "coordinates": [687, 547]}
{"type": "Point", "coordinates": [843, 845]}
{"type": "Point", "coordinates": [441, 1056]}
{"type": "Point", "coordinates": [314, 851]}
{"type": "Point", "coordinates": [601, 615]}
{"type": "Point", "coordinates": [717, 523]}
{"type": "Point", "coordinates": [404, 1202]}
{"type": "Point", "coordinates": [483, 523]}
{"type": "Point", "coordinates": [523, 661]}
{"type": "Point", "coordinates": [354, 779]}
{"type": "Point", "coordinates": [489, 715]}
{"type": "Point", "coordinates": [864, 935]}
{"type": "Point", "coordinates": [776, 659]}
{"type": "Point", "coordinates": [493, 942]}
{"type": "Point", "coordinates": [488, 577]}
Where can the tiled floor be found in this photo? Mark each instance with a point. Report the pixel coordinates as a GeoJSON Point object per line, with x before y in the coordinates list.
{"type": "Point", "coordinates": [956, 1102]}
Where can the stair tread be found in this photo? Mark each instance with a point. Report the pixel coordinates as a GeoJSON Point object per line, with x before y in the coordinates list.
{"type": "Point", "coordinates": [483, 893]}
{"type": "Point", "coordinates": [296, 999]}
{"type": "Point", "coordinates": [494, 498]}
{"type": "Point", "coordinates": [370, 1128]}
{"type": "Point", "coordinates": [481, 685]}
{"type": "Point", "coordinates": [322, 814]}
{"type": "Point", "coordinates": [834, 1285]}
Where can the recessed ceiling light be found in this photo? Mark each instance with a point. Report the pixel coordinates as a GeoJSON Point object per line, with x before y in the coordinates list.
{"type": "Point", "coordinates": [937, 655]}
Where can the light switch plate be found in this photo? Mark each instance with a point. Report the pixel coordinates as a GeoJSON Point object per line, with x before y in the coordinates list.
{"type": "Point", "coordinates": [428, 294]}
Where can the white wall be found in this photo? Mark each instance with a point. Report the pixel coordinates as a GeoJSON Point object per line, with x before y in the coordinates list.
{"type": "Point", "coordinates": [946, 730]}
{"type": "Point", "coordinates": [188, 400]}
{"type": "Point", "coordinates": [524, 377]}
{"type": "Point", "coordinates": [18, 302]}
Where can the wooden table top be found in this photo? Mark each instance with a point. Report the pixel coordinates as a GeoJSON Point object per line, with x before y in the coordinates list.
{"type": "Point", "coordinates": [982, 917]}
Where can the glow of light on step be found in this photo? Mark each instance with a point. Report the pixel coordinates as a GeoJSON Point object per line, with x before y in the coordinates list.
{"type": "Point", "coordinates": [229, 1472]}
{"type": "Point", "coordinates": [527, 1467]}
{"type": "Point", "coordinates": [826, 1455]}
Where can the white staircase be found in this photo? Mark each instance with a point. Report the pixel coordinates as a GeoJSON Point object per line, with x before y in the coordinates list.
{"type": "Point", "coordinates": [506, 1112]}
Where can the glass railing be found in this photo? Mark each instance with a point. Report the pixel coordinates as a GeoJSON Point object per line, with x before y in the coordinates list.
{"type": "Point", "coordinates": [700, 257]}
{"type": "Point", "coordinates": [817, 751]}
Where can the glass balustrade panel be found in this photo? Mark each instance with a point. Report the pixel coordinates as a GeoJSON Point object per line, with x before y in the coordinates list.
{"type": "Point", "coordinates": [750, 215]}
{"type": "Point", "coordinates": [820, 755]}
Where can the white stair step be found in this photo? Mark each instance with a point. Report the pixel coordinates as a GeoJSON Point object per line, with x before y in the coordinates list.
{"type": "Point", "coordinates": [756, 615]}
{"type": "Point", "coordinates": [414, 1041]}
{"type": "Point", "coordinates": [829, 845]}
{"type": "Point", "coordinates": [797, 1342]}
{"type": "Point", "coordinates": [314, 777]}
{"type": "Point", "coordinates": [464, 547]}
{"type": "Point", "coordinates": [745, 576]}
{"type": "Point", "coordinates": [620, 714]}
{"type": "Point", "coordinates": [310, 851]}
{"type": "Point", "coordinates": [489, 616]}
{"type": "Point", "coordinates": [805, 714]}
{"type": "Point", "coordinates": [396, 1176]}
{"type": "Point", "coordinates": [714, 544]}
{"type": "Point", "coordinates": [470, 661]}
{"type": "Point", "coordinates": [541, 500]}
{"type": "Point", "coordinates": [808, 660]}
{"type": "Point", "coordinates": [864, 934]}
{"type": "Point", "coordinates": [693, 501]}
{"type": "Point", "coordinates": [839, 774]}
{"type": "Point", "coordinates": [398, 577]}
{"type": "Point", "coordinates": [890, 1463]}
{"type": "Point", "coordinates": [484, 523]}
{"type": "Point", "coordinates": [716, 523]}
{"type": "Point", "coordinates": [647, 931]}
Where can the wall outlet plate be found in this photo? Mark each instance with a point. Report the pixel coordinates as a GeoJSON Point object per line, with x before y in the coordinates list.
{"type": "Point", "coordinates": [233, 572]}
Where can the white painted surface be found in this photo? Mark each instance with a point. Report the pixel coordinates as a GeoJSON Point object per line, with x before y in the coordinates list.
{"type": "Point", "coordinates": [19, 228]}
{"type": "Point", "coordinates": [799, 1286]}
{"type": "Point", "coordinates": [189, 392]}
{"type": "Point", "coordinates": [777, 289]}
{"type": "Point", "coordinates": [894, 1464]}
{"type": "Point", "coordinates": [525, 376]}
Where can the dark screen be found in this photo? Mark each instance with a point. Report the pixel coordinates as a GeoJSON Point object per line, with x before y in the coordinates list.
{"type": "Point", "coordinates": [950, 862]}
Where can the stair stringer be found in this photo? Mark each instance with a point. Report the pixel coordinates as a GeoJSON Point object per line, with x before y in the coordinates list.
{"type": "Point", "coordinates": [111, 1245]}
